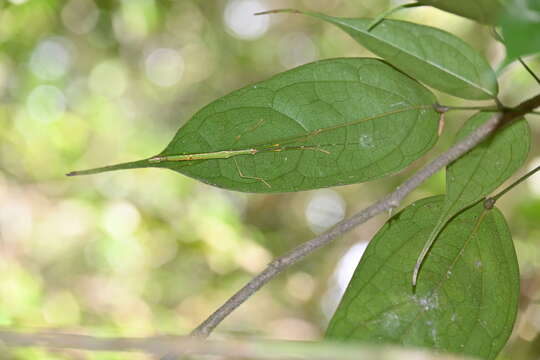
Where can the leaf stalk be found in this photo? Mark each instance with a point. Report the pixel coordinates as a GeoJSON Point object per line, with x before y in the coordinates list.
{"type": "Point", "coordinates": [489, 203]}
{"type": "Point", "coordinates": [389, 12]}
{"type": "Point", "coordinates": [122, 166]}
{"type": "Point", "coordinates": [479, 108]}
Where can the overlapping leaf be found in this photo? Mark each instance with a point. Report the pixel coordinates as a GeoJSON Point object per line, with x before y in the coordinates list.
{"type": "Point", "coordinates": [432, 56]}
{"type": "Point", "coordinates": [466, 298]}
{"type": "Point", "coordinates": [332, 122]}
{"type": "Point", "coordinates": [484, 11]}
{"type": "Point", "coordinates": [483, 169]}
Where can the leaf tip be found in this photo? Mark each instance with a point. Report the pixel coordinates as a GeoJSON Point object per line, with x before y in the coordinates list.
{"type": "Point", "coordinates": [414, 279]}
{"type": "Point", "coordinates": [122, 166]}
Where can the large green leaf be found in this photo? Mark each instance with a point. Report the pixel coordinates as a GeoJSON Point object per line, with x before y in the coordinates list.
{"type": "Point", "coordinates": [432, 56]}
{"type": "Point", "coordinates": [521, 28]}
{"type": "Point", "coordinates": [466, 298]}
{"type": "Point", "coordinates": [484, 11]}
{"type": "Point", "coordinates": [483, 169]}
{"type": "Point", "coordinates": [328, 123]}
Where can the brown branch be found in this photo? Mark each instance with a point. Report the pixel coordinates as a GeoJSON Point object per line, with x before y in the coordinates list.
{"type": "Point", "coordinates": [231, 349]}
{"type": "Point", "coordinates": [389, 202]}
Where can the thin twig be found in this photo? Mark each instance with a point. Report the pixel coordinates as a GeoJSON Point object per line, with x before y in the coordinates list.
{"type": "Point", "coordinates": [391, 201]}
{"type": "Point", "coordinates": [230, 349]}
{"type": "Point", "coordinates": [489, 203]}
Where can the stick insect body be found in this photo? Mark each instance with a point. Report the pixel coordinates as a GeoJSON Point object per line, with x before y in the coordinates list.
{"type": "Point", "coordinates": [253, 150]}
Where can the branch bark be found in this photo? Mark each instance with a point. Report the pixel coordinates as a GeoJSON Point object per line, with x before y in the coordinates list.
{"type": "Point", "coordinates": [231, 349]}
{"type": "Point", "coordinates": [390, 201]}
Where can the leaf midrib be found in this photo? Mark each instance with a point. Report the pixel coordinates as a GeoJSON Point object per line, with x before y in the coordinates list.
{"type": "Point", "coordinates": [437, 66]}
{"type": "Point", "coordinates": [438, 284]}
{"type": "Point", "coordinates": [315, 132]}
{"type": "Point", "coordinates": [457, 258]}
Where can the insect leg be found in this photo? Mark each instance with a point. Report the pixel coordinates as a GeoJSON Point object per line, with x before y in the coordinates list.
{"type": "Point", "coordinates": [250, 177]}
{"type": "Point", "coordinates": [316, 148]}
{"type": "Point", "coordinates": [441, 124]}
{"type": "Point", "coordinates": [252, 128]}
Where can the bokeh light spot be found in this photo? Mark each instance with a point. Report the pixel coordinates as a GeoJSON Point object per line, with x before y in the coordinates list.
{"type": "Point", "coordinates": [109, 79]}
{"type": "Point", "coordinates": [341, 278]}
{"type": "Point", "coordinates": [61, 309]}
{"type": "Point", "coordinates": [19, 288]}
{"type": "Point", "coordinates": [301, 286]}
{"type": "Point", "coordinates": [325, 209]}
{"type": "Point", "coordinates": [164, 67]}
{"type": "Point", "coordinates": [296, 49]}
{"type": "Point", "coordinates": [135, 20]}
{"type": "Point", "coordinates": [121, 218]}
{"type": "Point", "coordinates": [50, 60]}
{"type": "Point", "coordinates": [253, 258]}
{"type": "Point", "coordinates": [347, 265]}
{"type": "Point", "coordinates": [80, 16]}
{"type": "Point", "coordinates": [534, 181]}
{"type": "Point", "coordinates": [241, 21]}
{"type": "Point", "coordinates": [16, 218]}
{"type": "Point", "coordinates": [46, 103]}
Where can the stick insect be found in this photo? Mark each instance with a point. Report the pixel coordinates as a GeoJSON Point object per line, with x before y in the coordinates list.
{"type": "Point", "coordinates": [280, 145]}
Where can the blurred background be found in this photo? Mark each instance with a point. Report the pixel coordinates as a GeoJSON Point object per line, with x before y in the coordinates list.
{"type": "Point", "coordinates": [85, 83]}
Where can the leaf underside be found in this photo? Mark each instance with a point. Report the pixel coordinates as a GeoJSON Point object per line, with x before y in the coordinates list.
{"type": "Point", "coordinates": [483, 169]}
{"type": "Point", "coordinates": [435, 57]}
{"type": "Point", "coordinates": [328, 123]}
{"type": "Point", "coordinates": [484, 11]}
{"type": "Point", "coordinates": [480, 171]}
{"type": "Point", "coordinates": [466, 298]}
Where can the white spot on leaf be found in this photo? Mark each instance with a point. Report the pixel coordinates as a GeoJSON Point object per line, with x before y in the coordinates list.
{"type": "Point", "coordinates": [391, 321]}
{"type": "Point", "coordinates": [427, 302]}
{"type": "Point", "coordinates": [366, 141]}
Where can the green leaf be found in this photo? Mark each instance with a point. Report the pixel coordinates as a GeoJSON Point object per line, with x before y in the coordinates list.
{"type": "Point", "coordinates": [432, 56]}
{"type": "Point", "coordinates": [521, 28]}
{"type": "Point", "coordinates": [484, 11]}
{"type": "Point", "coordinates": [483, 169]}
{"type": "Point", "coordinates": [332, 122]}
{"type": "Point", "coordinates": [467, 295]}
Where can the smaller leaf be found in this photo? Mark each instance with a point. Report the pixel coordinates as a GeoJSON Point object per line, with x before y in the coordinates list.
{"type": "Point", "coordinates": [483, 169]}
{"type": "Point", "coordinates": [432, 56]}
{"type": "Point", "coordinates": [484, 11]}
{"type": "Point", "coordinates": [466, 299]}
{"type": "Point", "coordinates": [521, 29]}
{"type": "Point", "coordinates": [480, 171]}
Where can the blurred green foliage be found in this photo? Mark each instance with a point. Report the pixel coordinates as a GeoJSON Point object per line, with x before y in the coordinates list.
{"type": "Point", "coordinates": [84, 82]}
